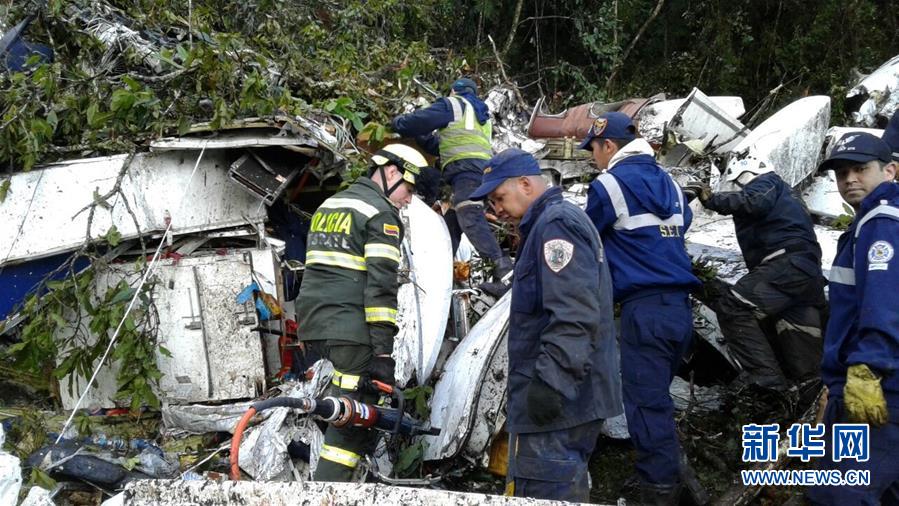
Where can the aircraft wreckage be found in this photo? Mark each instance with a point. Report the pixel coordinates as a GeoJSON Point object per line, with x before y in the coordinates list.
{"type": "Point", "coordinates": [225, 211]}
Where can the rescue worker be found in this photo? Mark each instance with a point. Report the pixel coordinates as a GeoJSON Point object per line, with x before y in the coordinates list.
{"type": "Point", "coordinates": [563, 373]}
{"type": "Point", "coordinates": [861, 344]}
{"type": "Point", "coordinates": [779, 246]}
{"type": "Point", "coordinates": [347, 305]}
{"type": "Point", "coordinates": [463, 132]}
{"type": "Point", "coordinates": [641, 215]}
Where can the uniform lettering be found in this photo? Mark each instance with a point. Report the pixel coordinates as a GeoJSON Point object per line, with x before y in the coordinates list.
{"type": "Point", "coordinates": [331, 241]}
{"type": "Point", "coordinates": [336, 222]}
{"type": "Point", "coordinates": [669, 230]}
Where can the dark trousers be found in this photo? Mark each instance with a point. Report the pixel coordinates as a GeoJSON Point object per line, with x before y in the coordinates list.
{"type": "Point", "coordinates": [656, 332]}
{"type": "Point", "coordinates": [786, 291]}
{"type": "Point", "coordinates": [344, 448]}
{"type": "Point", "coordinates": [470, 216]}
{"type": "Point", "coordinates": [882, 463]}
{"type": "Point", "coordinates": [552, 465]}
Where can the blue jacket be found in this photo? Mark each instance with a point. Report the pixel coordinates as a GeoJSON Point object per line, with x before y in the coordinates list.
{"type": "Point", "coordinates": [422, 123]}
{"type": "Point", "coordinates": [768, 218]}
{"type": "Point", "coordinates": [864, 316]}
{"type": "Point", "coordinates": [641, 215]}
{"type": "Point", "coordinates": [561, 324]}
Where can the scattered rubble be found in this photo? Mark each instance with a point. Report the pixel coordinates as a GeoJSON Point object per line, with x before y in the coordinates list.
{"type": "Point", "coordinates": [221, 295]}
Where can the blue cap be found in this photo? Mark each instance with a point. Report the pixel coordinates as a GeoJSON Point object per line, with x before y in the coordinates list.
{"type": "Point", "coordinates": [860, 147]}
{"type": "Point", "coordinates": [512, 162]}
{"type": "Point", "coordinates": [465, 85]}
{"type": "Point", "coordinates": [891, 135]}
{"type": "Point", "coordinates": [610, 125]}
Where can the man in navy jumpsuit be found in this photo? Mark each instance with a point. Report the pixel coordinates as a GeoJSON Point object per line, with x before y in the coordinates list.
{"type": "Point", "coordinates": [778, 242]}
{"type": "Point", "coordinates": [891, 135]}
{"type": "Point", "coordinates": [641, 215]}
{"type": "Point", "coordinates": [563, 374]}
{"type": "Point", "coordinates": [463, 132]}
{"type": "Point", "coordinates": [861, 344]}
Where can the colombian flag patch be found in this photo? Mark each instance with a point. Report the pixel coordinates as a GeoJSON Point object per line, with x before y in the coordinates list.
{"type": "Point", "coordinates": [391, 230]}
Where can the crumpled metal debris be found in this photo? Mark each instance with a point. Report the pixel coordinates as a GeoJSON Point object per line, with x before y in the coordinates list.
{"type": "Point", "coordinates": [37, 496]}
{"type": "Point", "coordinates": [10, 474]}
{"type": "Point", "coordinates": [200, 419]}
{"type": "Point", "coordinates": [509, 122]}
{"type": "Point", "coordinates": [263, 451]}
{"type": "Point", "coordinates": [876, 95]}
{"type": "Point", "coordinates": [699, 400]}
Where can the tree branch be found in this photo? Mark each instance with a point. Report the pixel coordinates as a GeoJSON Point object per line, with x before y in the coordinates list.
{"type": "Point", "coordinates": [515, 17]}
{"type": "Point", "coordinates": [633, 44]}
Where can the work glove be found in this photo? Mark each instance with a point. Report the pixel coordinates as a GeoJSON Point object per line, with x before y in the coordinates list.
{"type": "Point", "coordinates": [382, 368]}
{"type": "Point", "coordinates": [863, 396]}
{"type": "Point", "coordinates": [698, 190]}
{"type": "Point", "coordinates": [544, 403]}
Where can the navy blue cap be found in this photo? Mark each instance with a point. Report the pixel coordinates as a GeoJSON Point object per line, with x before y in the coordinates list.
{"type": "Point", "coordinates": [860, 147]}
{"type": "Point", "coordinates": [891, 135]}
{"type": "Point", "coordinates": [465, 85]}
{"type": "Point", "coordinates": [610, 125]}
{"type": "Point", "coordinates": [512, 162]}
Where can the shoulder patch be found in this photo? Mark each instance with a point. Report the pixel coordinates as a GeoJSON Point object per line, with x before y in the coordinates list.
{"type": "Point", "coordinates": [557, 253]}
{"type": "Point", "coordinates": [880, 253]}
{"type": "Point", "coordinates": [391, 230]}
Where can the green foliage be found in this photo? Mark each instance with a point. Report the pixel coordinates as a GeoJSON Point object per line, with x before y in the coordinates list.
{"type": "Point", "coordinates": [843, 221]}
{"type": "Point", "coordinates": [410, 460]}
{"type": "Point", "coordinates": [70, 327]}
{"type": "Point", "coordinates": [420, 397]}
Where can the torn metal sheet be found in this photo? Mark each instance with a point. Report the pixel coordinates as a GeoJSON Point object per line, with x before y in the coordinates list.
{"type": "Point", "coordinates": [201, 419]}
{"type": "Point", "coordinates": [490, 412]}
{"type": "Point", "coordinates": [876, 96]}
{"type": "Point", "coordinates": [822, 197]}
{"type": "Point", "coordinates": [424, 301]}
{"type": "Point", "coordinates": [10, 474]}
{"type": "Point", "coordinates": [37, 496]}
{"type": "Point", "coordinates": [53, 198]}
{"type": "Point", "coordinates": [309, 493]}
{"type": "Point", "coordinates": [454, 404]}
{"type": "Point", "coordinates": [215, 354]}
{"type": "Point", "coordinates": [790, 139]}
{"type": "Point", "coordinates": [228, 139]}
{"type": "Point", "coordinates": [696, 398]}
{"type": "Point", "coordinates": [106, 25]}
{"type": "Point", "coordinates": [706, 126]}
{"type": "Point", "coordinates": [653, 118]}
{"type": "Point", "coordinates": [263, 450]}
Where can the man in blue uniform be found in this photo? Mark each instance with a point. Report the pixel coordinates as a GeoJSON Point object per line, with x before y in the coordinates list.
{"type": "Point", "coordinates": [563, 375]}
{"type": "Point", "coordinates": [463, 131]}
{"type": "Point", "coordinates": [641, 215]}
{"type": "Point", "coordinates": [780, 249]}
{"type": "Point", "coordinates": [861, 344]}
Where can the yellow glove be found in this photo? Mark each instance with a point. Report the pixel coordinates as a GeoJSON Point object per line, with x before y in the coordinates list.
{"type": "Point", "coordinates": [863, 396]}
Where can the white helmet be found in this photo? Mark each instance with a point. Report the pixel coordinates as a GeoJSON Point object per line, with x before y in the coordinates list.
{"type": "Point", "coordinates": [408, 160]}
{"type": "Point", "coordinates": [741, 171]}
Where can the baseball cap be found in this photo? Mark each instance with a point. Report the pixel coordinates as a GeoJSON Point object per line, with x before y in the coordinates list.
{"type": "Point", "coordinates": [465, 85]}
{"type": "Point", "coordinates": [512, 162]}
{"type": "Point", "coordinates": [610, 125]}
{"type": "Point", "coordinates": [891, 135]}
{"type": "Point", "coordinates": [860, 147]}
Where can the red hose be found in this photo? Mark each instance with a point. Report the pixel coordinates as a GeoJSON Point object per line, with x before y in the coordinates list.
{"type": "Point", "coordinates": [235, 441]}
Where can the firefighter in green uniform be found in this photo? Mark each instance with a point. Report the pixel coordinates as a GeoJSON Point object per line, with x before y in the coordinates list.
{"type": "Point", "coordinates": [347, 302]}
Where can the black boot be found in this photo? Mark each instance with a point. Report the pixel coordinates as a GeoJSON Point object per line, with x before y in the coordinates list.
{"type": "Point", "coordinates": [502, 278]}
{"type": "Point", "coordinates": [655, 494]}
{"type": "Point", "coordinates": [692, 488]}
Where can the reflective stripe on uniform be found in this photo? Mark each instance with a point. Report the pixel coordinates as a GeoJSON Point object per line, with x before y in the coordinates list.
{"type": "Point", "coordinates": [339, 456]}
{"type": "Point", "coordinates": [380, 314]}
{"type": "Point", "coordinates": [355, 204]}
{"type": "Point", "coordinates": [883, 209]}
{"type": "Point", "coordinates": [381, 250]}
{"type": "Point", "coordinates": [464, 137]}
{"type": "Point", "coordinates": [624, 219]}
{"type": "Point", "coordinates": [842, 275]}
{"type": "Point", "coordinates": [783, 325]}
{"type": "Point", "coordinates": [335, 259]}
{"type": "Point", "coordinates": [345, 381]}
